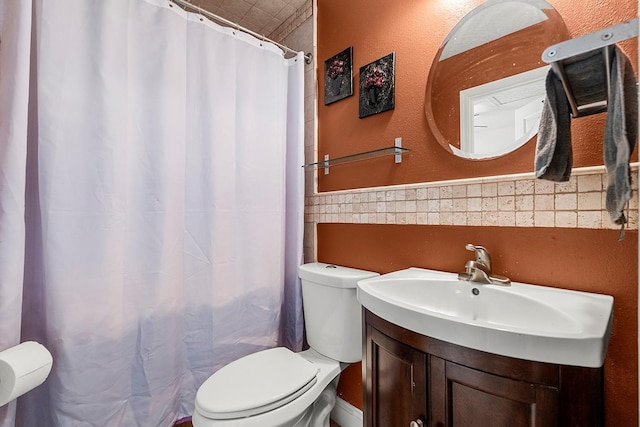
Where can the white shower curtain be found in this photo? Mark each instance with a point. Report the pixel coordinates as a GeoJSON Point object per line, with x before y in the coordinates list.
{"type": "Point", "coordinates": [159, 156]}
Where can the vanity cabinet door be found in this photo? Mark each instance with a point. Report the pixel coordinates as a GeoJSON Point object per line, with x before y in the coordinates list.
{"type": "Point", "coordinates": [409, 377]}
{"type": "Point", "coordinates": [478, 399]}
{"type": "Point", "coordinates": [396, 378]}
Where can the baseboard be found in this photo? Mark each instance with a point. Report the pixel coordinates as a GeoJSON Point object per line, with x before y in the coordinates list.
{"type": "Point", "coordinates": [346, 414]}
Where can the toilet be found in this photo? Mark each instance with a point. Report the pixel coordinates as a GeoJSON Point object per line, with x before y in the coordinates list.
{"type": "Point", "coordinates": [280, 388]}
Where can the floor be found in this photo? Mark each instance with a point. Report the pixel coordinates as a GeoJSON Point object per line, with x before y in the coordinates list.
{"type": "Point", "coordinates": [188, 424]}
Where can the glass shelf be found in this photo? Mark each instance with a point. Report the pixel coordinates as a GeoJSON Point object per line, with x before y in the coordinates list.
{"type": "Point", "coordinates": [396, 151]}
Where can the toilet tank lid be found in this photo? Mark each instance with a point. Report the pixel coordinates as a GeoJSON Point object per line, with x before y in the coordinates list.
{"type": "Point", "coordinates": [333, 275]}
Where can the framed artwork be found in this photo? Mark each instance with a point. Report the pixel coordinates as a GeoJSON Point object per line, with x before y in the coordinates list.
{"type": "Point", "coordinates": [377, 86]}
{"type": "Point", "coordinates": [338, 76]}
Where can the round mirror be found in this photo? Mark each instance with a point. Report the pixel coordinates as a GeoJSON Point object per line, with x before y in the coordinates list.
{"type": "Point", "coordinates": [486, 85]}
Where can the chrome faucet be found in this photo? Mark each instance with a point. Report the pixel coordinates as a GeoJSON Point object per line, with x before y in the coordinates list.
{"type": "Point", "coordinates": [479, 271]}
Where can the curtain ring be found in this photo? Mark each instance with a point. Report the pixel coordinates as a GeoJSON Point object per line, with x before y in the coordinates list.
{"type": "Point", "coordinates": [200, 13]}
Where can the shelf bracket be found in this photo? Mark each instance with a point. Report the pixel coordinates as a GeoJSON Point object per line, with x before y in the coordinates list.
{"type": "Point", "coordinates": [398, 150]}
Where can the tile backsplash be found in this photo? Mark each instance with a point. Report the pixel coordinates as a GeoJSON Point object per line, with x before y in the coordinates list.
{"type": "Point", "coordinates": [508, 201]}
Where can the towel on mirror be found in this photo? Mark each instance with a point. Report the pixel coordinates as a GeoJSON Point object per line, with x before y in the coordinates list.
{"type": "Point", "coordinates": [588, 81]}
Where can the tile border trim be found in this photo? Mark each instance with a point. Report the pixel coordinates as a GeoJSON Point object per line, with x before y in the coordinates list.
{"type": "Point", "coordinates": [515, 200]}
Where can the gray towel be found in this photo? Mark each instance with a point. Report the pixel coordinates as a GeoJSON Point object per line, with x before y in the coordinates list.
{"type": "Point", "coordinates": [553, 150]}
{"type": "Point", "coordinates": [621, 130]}
{"type": "Point", "coordinates": [587, 78]}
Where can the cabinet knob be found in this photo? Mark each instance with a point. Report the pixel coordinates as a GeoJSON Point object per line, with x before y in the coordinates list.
{"type": "Point", "coordinates": [416, 423]}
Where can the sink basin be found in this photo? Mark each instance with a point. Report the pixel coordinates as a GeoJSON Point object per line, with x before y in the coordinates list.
{"type": "Point", "coordinates": [529, 322]}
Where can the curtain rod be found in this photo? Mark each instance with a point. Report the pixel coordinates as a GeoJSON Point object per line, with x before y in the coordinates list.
{"type": "Point", "coordinates": [308, 56]}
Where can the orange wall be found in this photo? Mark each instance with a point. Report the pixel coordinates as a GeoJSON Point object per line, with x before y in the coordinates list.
{"type": "Point", "coordinates": [589, 260]}
{"type": "Point", "coordinates": [415, 31]}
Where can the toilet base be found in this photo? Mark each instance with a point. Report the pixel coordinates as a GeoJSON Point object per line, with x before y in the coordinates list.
{"type": "Point", "coordinates": [324, 405]}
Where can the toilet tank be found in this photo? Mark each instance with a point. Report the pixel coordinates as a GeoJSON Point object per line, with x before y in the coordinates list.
{"type": "Point", "coordinates": [332, 313]}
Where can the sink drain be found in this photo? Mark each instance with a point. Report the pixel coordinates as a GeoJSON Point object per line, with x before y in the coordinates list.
{"type": "Point", "coordinates": [475, 291]}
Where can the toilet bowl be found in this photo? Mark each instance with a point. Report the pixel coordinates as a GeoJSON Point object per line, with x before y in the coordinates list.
{"type": "Point", "coordinates": [280, 388]}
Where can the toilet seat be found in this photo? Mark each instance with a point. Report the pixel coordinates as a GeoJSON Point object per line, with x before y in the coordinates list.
{"type": "Point", "coordinates": [255, 384]}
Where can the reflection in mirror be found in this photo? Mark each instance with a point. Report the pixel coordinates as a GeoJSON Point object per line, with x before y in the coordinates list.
{"type": "Point", "coordinates": [486, 84]}
{"type": "Point", "coordinates": [500, 116]}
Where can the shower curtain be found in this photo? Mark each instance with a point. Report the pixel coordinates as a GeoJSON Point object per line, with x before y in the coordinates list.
{"type": "Point", "coordinates": [150, 204]}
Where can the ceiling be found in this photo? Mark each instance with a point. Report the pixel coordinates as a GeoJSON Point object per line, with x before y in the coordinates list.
{"type": "Point", "coordinates": [260, 16]}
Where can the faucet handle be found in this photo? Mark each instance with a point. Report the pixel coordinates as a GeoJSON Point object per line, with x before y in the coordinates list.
{"type": "Point", "coordinates": [482, 255]}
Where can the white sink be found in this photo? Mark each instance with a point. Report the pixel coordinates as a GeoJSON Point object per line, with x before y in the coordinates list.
{"type": "Point", "coordinates": [529, 322]}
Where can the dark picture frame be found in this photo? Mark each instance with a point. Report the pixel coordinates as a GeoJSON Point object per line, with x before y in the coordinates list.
{"type": "Point", "coordinates": [338, 76]}
{"type": "Point", "coordinates": [377, 86]}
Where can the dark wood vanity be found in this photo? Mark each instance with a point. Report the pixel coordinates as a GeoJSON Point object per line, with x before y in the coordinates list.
{"type": "Point", "coordinates": [412, 380]}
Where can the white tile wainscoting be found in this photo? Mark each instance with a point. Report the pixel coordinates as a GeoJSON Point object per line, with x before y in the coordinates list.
{"type": "Point", "coordinates": [517, 200]}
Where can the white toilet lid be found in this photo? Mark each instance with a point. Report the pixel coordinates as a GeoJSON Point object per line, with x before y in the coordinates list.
{"type": "Point", "coordinates": [255, 384]}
